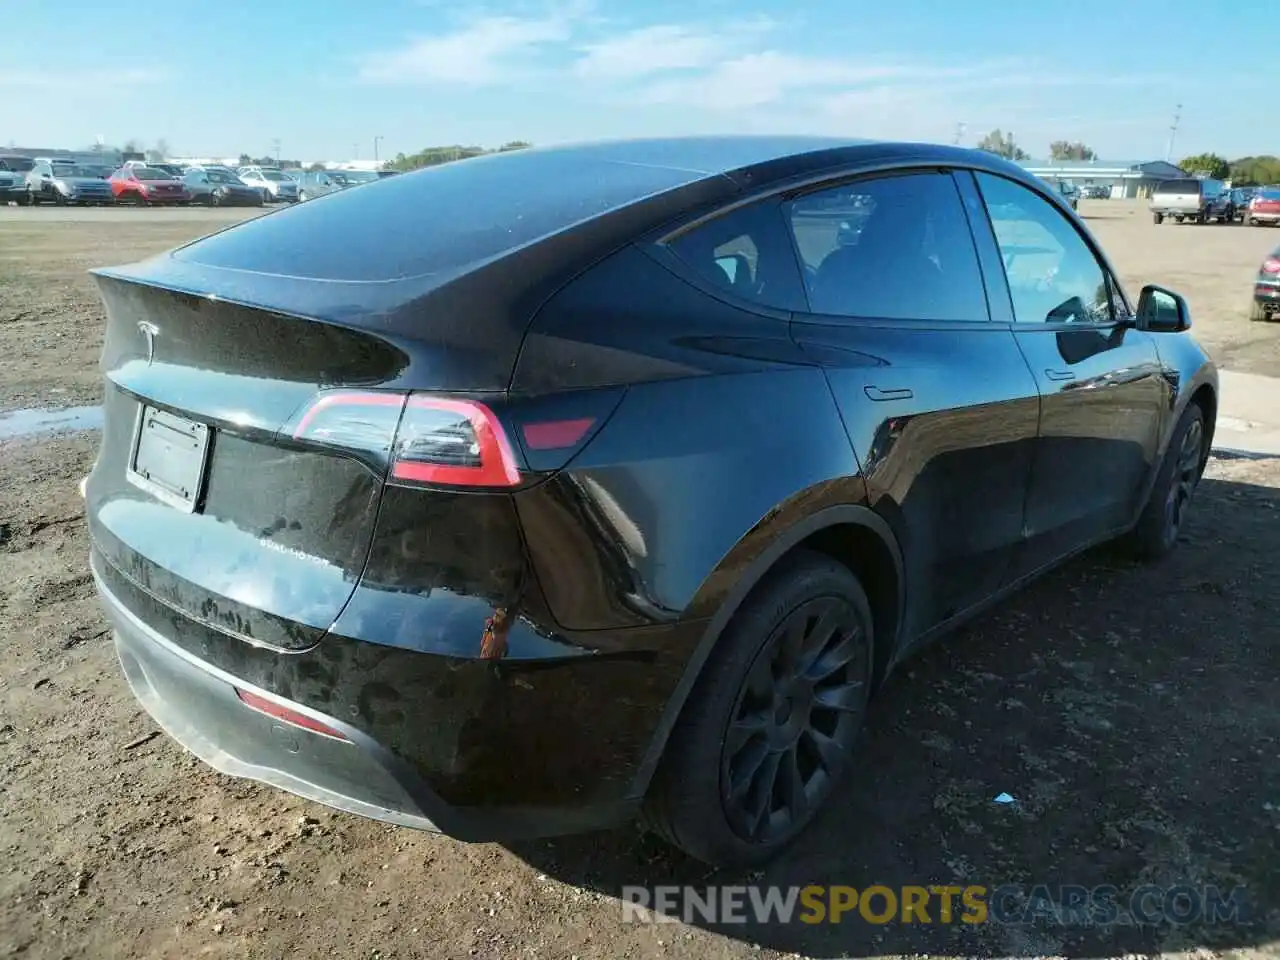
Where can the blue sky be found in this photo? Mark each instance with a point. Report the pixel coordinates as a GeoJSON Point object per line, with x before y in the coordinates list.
{"type": "Point", "coordinates": [327, 76]}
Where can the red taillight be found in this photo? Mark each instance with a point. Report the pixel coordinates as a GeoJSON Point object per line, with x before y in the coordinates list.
{"type": "Point", "coordinates": [436, 440]}
{"type": "Point", "coordinates": [1271, 265]}
{"type": "Point", "coordinates": [457, 443]}
{"type": "Point", "coordinates": [443, 441]}
{"type": "Point", "coordinates": [286, 715]}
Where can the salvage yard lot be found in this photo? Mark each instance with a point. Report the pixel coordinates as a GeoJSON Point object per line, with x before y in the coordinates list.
{"type": "Point", "coordinates": [1131, 711]}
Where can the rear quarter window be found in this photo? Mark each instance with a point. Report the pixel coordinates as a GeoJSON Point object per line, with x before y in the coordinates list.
{"type": "Point", "coordinates": [747, 253]}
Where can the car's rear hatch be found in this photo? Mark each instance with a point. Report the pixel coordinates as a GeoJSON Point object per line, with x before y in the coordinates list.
{"type": "Point", "coordinates": [256, 380]}
{"type": "Point", "coordinates": [201, 495]}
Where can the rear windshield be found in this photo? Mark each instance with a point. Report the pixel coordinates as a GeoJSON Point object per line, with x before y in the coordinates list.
{"type": "Point", "coordinates": [436, 220]}
{"type": "Point", "coordinates": [1269, 193]}
{"type": "Point", "coordinates": [1179, 186]}
{"type": "Point", "coordinates": [16, 164]}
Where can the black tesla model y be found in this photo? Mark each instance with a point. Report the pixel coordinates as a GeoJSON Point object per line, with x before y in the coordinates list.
{"type": "Point", "coordinates": [529, 493]}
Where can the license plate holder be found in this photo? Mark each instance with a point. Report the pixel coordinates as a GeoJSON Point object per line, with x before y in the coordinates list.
{"type": "Point", "coordinates": [169, 457]}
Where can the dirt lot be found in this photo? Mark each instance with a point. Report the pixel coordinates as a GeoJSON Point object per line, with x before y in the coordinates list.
{"type": "Point", "coordinates": [1129, 710]}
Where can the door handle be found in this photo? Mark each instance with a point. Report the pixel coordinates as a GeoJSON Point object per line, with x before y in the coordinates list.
{"type": "Point", "coordinates": [1059, 374]}
{"type": "Point", "coordinates": [893, 393]}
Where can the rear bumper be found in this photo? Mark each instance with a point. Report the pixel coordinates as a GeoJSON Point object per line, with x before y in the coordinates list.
{"type": "Point", "coordinates": [196, 704]}
{"type": "Point", "coordinates": [477, 749]}
{"type": "Point", "coordinates": [1268, 216]}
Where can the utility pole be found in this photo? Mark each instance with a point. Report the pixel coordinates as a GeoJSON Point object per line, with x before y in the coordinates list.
{"type": "Point", "coordinates": [1173, 132]}
{"type": "Point", "coordinates": [276, 145]}
{"type": "Point", "coordinates": [960, 128]}
{"type": "Point", "coordinates": [375, 148]}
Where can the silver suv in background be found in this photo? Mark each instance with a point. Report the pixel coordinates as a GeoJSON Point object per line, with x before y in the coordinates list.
{"type": "Point", "coordinates": [1195, 199]}
{"type": "Point", "coordinates": [274, 183]}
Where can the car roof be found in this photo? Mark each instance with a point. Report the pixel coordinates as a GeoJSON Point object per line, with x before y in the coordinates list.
{"type": "Point", "coordinates": [521, 223]}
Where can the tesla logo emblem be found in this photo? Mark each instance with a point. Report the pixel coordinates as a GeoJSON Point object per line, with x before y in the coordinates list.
{"type": "Point", "coordinates": [150, 331]}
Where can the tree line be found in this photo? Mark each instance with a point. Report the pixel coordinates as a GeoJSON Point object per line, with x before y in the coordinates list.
{"type": "Point", "coordinates": [1243, 171]}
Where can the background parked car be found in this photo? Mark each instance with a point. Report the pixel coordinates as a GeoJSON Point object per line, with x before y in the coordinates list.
{"type": "Point", "coordinates": [317, 183]}
{"type": "Point", "coordinates": [1266, 288]}
{"type": "Point", "coordinates": [13, 179]}
{"type": "Point", "coordinates": [60, 182]}
{"type": "Point", "coordinates": [1194, 199]}
{"type": "Point", "coordinates": [220, 188]}
{"type": "Point", "coordinates": [1070, 192]}
{"type": "Point", "coordinates": [1240, 197]}
{"type": "Point", "coordinates": [146, 185]}
{"type": "Point", "coordinates": [274, 183]}
{"type": "Point", "coordinates": [1264, 207]}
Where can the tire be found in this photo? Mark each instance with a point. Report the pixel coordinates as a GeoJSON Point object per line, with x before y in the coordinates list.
{"type": "Point", "coordinates": [1158, 217]}
{"type": "Point", "coordinates": [23, 199]}
{"type": "Point", "coordinates": [742, 718]}
{"type": "Point", "coordinates": [302, 196]}
{"type": "Point", "coordinates": [1162, 519]}
{"type": "Point", "coordinates": [33, 198]}
{"type": "Point", "coordinates": [1179, 219]}
{"type": "Point", "coordinates": [1248, 221]}
{"type": "Point", "coordinates": [1258, 312]}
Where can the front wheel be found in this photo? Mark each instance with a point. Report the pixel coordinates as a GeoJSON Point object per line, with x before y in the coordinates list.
{"type": "Point", "coordinates": [1158, 217]}
{"type": "Point", "coordinates": [1162, 519]}
{"type": "Point", "coordinates": [767, 733]}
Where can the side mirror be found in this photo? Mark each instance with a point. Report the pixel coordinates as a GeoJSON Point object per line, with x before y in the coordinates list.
{"type": "Point", "coordinates": [1162, 311]}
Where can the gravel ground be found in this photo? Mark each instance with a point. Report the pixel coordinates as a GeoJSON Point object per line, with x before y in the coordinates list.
{"type": "Point", "coordinates": [1127, 709]}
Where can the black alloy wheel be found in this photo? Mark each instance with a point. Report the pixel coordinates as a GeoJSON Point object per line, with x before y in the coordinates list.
{"type": "Point", "coordinates": [774, 713]}
{"type": "Point", "coordinates": [1164, 516]}
{"type": "Point", "coordinates": [794, 724]}
{"type": "Point", "coordinates": [1186, 476]}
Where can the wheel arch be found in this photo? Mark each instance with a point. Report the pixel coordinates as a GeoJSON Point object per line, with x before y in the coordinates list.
{"type": "Point", "coordinates": [851, 534]}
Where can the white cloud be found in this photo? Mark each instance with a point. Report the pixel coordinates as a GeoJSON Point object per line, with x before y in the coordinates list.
{"type": "Point", "coordinates": [769, 77]}
{"type": "Point", "coordinates": [665, 47]}
{"type": "Point", "coordinates": [650, 50]}
{"type": "Point", "coordinates": [482, 53]}
{"type": "Point", "coordinates": [76, 79]}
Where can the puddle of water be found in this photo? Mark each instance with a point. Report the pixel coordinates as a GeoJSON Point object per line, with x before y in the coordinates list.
{"type": "Point", "coordinates": [38, 420]}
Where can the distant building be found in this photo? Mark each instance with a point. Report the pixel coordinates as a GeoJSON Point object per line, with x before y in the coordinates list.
{"type": "Point", "coordinates": [1126, 179]}
{"type": "Point", "coordinates": [345, 164]}
{"type": "Point", "coordinates": [109, 157]}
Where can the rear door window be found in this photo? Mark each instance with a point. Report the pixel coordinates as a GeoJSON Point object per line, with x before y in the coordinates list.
{"type": "Point", "coordinates": [896, 247]}
{"type": "Point", "coordinates": [747, 253]}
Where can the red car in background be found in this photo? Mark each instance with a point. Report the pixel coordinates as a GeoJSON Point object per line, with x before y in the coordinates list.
{"type": "Point", "coordinates": [147, 185]}
{"type": "Point", "coordinates": [1264, 207]}
{"type": "Point", "coordinates": [1266, 288]}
